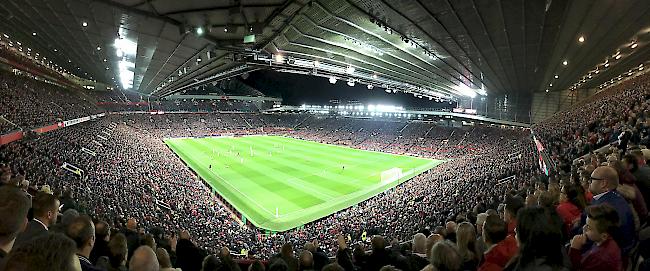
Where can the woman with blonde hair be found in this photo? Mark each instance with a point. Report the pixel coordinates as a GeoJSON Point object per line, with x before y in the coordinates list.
{"type": "Point", "coordinates": [466, 242]}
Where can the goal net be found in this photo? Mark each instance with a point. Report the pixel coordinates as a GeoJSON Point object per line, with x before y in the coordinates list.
{"type": "Point", "coordinates": [391, 175]}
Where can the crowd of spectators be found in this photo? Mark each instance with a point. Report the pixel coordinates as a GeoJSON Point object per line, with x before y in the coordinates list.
{"type": "Point", "coordinates": [131, 173]}
{"type": "Point", "coordinates": [110, 192]}
{"type": "Point", "coordinates": [598, 121]}
{"type": "Point", "coordinates": [26, 103]}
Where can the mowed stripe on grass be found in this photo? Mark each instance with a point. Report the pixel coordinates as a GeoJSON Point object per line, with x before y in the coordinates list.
{"type": "Point", "coordinates": [304, 180]}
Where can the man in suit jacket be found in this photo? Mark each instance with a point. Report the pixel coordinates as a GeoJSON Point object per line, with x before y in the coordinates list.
{"type": "Point", "coordinates": [46, 209]}
{"type": "Point", "coordinates": [82, 231]}
{"type": "Point", "coordinates": [602, 184]}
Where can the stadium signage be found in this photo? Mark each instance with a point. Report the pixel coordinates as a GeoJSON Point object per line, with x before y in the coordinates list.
{"type": "Point", "coordinates": [82, 119]}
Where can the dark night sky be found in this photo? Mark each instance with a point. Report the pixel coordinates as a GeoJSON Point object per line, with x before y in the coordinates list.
{"type": "Point", "coordinates": [297, 89]}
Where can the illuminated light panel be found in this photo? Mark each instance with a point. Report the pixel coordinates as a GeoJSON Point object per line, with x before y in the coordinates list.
{"type": "Point", "coordinates": [125, 47]}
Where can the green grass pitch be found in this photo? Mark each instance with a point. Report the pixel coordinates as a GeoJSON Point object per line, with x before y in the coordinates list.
{"type": "Point", "coordinates": [288, 182]}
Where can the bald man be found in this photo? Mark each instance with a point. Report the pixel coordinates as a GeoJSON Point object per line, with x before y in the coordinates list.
{"type": "Point", "coordinates": [602, 184]}
{"type": "Point", "coordinates": [144, 259]}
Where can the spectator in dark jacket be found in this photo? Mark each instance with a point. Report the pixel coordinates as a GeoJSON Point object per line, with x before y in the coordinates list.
{"type": "Point", "coordinates": [418, 256]}
{"type": "Point", "coordinates": [541, 245]}
{"type": "Point", "coordinates": [604, 181]}
{"type": "Point", "coordinates": [636, 164]}
{"type": "Point", "coordinates": [117, 252]}
{"type": "Point", "coordinates": [286, 254]}
{"type": "Point", "coordinates": [82, 231]}
{"type": "Point", "coordinates": [45, 208]}
{"type": "Point", "coordinates": [379, 256]}
{"type": "Point", "coordinates": [132, 236]}
{"type": "Point", "coordinates": [320, 258]}
{"type": "Point", "coordinates": [103, 236]}
{"type": "Point", "coordinates": [210, 263]}
{"type": "Point", "coordinates": [188, 255]}
{"type": "Point", "coordinates": [226, 261]}
{"type": "Point", "coordinates": [47, 252]}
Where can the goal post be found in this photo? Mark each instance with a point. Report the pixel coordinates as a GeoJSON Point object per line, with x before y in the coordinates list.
{"type": "Point", "coordinates": [391, 175]}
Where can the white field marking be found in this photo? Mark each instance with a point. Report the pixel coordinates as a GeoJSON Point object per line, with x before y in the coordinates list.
{"type": "Point", "coordinates": [344, 197]}
{"type": "Point", "coordinates": [238, 191]}
{"type": "Point", "coordinates": [322, 195]}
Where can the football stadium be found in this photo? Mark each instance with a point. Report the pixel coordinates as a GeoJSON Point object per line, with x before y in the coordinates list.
{"type": "Point", "coordinates": [324, 135]}
{"type": "Point", "coordinates": [280, 183]}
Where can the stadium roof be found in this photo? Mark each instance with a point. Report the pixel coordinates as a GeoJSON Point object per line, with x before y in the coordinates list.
{"type": "Point", "coordinates": [426, 47]}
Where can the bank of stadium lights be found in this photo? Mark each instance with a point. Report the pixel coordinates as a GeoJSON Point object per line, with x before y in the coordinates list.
{"type": "Point", "coordinates": [351, 82]}
{"type": "Point", "coordinates": [409, 42]}
{"type": "Point", "coordinates": [634, 45]}
{"type": "Point", "coordinates": [316, 63]}
{"type": "Point", "coordinates": [349, 70]}
{"type": "Point", "coordinates": [84, 24]}
{"type": "Point", "coordinates": [332, 80]}
{"type": "Point", "coordinates": [370, 86]}
{"type": "Point", "coordinates": [99, 48]}
{"type": "Point", "coordinates": [199, 31]}
{"type": "Point", "coordinates": [581, 39]}
{"type": "Point", "coordinates": [565, 62]}
{"type": "Point", "coordinates": [468, 92]}
{"type": "Point", "coordinates": [33, 33]}
{"type": "Point", "coordinates": [125, 49]}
